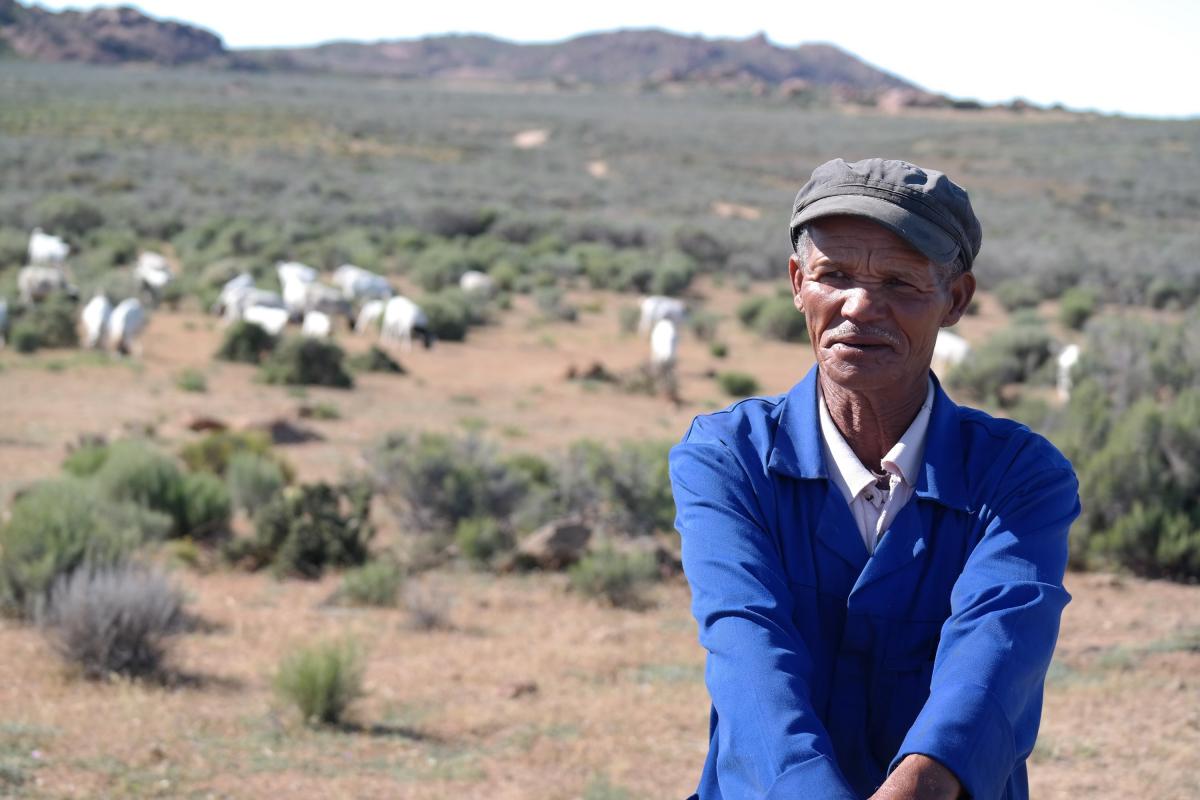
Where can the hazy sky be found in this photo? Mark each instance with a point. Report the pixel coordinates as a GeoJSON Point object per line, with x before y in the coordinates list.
{"type": "Point", "coordinates": [1111, 55]}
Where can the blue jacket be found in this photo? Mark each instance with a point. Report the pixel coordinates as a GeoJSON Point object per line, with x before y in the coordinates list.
{"type": "Point", "coordinates": [827, 665]}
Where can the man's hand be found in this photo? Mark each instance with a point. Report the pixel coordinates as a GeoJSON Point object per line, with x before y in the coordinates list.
{"type": "Point", "coordinates": [919, 778]}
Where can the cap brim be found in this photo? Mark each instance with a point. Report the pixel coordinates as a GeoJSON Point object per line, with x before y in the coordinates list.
{"type": "Point", "coordinates": [919, 232]}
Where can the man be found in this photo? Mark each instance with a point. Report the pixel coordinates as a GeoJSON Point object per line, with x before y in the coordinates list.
{"type": "Point", "coordinates": [876, 571]}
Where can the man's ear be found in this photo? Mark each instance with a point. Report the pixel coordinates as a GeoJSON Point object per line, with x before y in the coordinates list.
{"type": "Point", "coordinates": [962, 289]}
{"type": "Point", "coordinates": [797, 277]}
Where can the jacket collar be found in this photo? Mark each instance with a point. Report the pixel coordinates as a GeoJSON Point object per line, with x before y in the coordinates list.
{"type": "Point", "coordinates": [796, 451]}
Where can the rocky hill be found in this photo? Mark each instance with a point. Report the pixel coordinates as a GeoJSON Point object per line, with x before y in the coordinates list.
{"type": "Point", "coordinates": [101, 36]}
{"type": "Point", "coordinates": [620, 57]}
{"type": "Point", "coordinates": [640, 58]}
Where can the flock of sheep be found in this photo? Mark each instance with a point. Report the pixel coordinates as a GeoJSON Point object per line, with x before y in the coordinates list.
{"type": "Point", "coordinates": [366, 300]}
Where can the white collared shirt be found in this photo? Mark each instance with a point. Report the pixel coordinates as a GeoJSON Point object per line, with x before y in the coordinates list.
{"type": "Point", "coordinates": [872, 507]}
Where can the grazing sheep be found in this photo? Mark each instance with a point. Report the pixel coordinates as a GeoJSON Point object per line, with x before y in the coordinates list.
{"type": "Point", "coordinates": [663, 340]}
{"type": "Point", "coordinates": [125, 325]}
{"type": "Point", "coordinates": [36, 283]}
{"type": "Point", "coordinates": [949, 351]}
{"type": "Point", "coordinates": [369, 315]}
{"type": "Point", "coordinates": [317, 324]}
{"type": "Point", "coordinates": [357, 283]}
{"type": "Point", "coordinates": [657, 307]}
{"type": "Point", "coordinates": [231, 289]}
{"type": "Point", "coordinates": [3, 320]}
{"type": "Point", "coordinates": [47, 249]}
{"type": "Point", "coordinates": [238, 301]}
{"type": "Point", "coordinates": [95, 318]}
{"type": "Point", "coordinates": [295, 271]}
{"type": "Point", "coordinates": [477, 283]}
{"type": "Point", "coordinates": [154, 273]}
{"type": "Point", "coordinates": [272, 319]}
{"type": "Point", "coordinates": [320, 297]}
{"type": "Point", "coordinates": [401, 319]}
{"type": "Point", "coordinates": [1067, 360]}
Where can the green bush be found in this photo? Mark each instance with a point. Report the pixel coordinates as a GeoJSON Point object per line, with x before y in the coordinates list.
{"type": "Point", "coordinates": [376, 360]}
{"type": "Point", "coordinates": [1013, 355]}
{"type": "Point", "coordinates": [451, 312]}
{"type": "Point", "coordinates": [434, 482]}
{"type": "Point", "coordinates": [253, 480]}
{"type": "Point", "coordinates": [552, 303]}
{"type": "Point", "coordinates": [779, 319]}
{"type": "Point", "coordinates": [614, 577]}
{"type": "Point", "coordinates": [67, 215]}
{"type": "Point", "coordinates": [307, 528]}
{"type": "Point", "coordinates": [205, 507]}
{"type": "Point", "coordinates": [718, 350]}
{"type": "Point", "coordinates": [141, 474]}
{"type": "Point", "coordinates": [376, 583]}
{"type": "Point", "coordinates": [1017, 294]}
{"type": "Point", "coordinates": [704, 324]}
{"type": "Point", "coordinates": [481, 539]}
{"type": "Point", "coordinates": [246, 343]}
{"type": "Point", "coordinates": [306, 361]}
{"type": "Point", "coordinates": [1076, 307]}
{"type": "Point", "coordinates": [58, 527]}
{"type": "Point", "coordinates": [25, 338]}
{"type": "Point", "coordinates": [50, 323]}
{"type": "Point", "coordinates": [113, 620]}
{"type": "Point", "coordinates": [322, 681]}
{"type": "Point", "coordinates": [737, 384]}
{"type": "Point", "coordinates": [191, 380]}
{"type": "Point", "coordinates": [86, 460]}
{"type": "Point", "coordinates": [627, 318]}
{"type": "Point", "coordinates": [749, 309]}
{"type": "Point", "coordinates": [214, 452]}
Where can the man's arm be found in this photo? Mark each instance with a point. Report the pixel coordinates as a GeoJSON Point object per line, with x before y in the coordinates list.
{"type": "Point", "coordinates": [985, 699]}
{"type": "Point", "coordinates": [771, 744]}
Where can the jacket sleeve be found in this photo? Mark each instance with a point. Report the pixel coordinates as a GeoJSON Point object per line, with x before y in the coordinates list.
{"type": "Point", "coordinates": [770, 742]}
{"type": "Point", "coordinates": [981, 718]}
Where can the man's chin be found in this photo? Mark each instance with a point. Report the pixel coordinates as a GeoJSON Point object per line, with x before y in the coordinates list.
{"type": "Point", "coordinates": [859, 370]}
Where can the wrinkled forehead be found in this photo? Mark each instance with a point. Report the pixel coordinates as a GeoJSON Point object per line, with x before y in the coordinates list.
{"type": "Point", "coordinates": [848, 239]}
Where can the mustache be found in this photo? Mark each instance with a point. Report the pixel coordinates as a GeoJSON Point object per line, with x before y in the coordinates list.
{"type": "Point", "coordinates": [848, 329]}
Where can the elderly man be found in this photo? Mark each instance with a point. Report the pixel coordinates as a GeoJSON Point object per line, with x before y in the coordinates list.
{"type": "Point", "coordinates": [876, 571]}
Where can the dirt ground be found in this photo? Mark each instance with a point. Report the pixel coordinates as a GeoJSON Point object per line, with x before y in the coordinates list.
{"type": "Point", "coordinates": [532, 691]}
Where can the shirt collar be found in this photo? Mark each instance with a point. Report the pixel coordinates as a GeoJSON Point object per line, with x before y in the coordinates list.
{"type": "Point", "coordinates": [903, 460]}
{"type": "Point", "coordinates": [797, 447]}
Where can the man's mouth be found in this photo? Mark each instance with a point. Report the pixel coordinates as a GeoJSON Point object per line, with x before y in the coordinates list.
{"type": "Point", "coordinates": [859, 344]}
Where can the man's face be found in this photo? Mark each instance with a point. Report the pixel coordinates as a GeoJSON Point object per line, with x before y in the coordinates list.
{"type": "Point", "coordinates": [873, 304]}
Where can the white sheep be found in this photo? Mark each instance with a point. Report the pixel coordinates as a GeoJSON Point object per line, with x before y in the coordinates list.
{"type": "Point", "coordinates": [3, 321]}
{"type": "Point", "coordinates": [47, 249]}
{"type": "Point", "coordinates": [295, 271]}
{"type": "Point", "coordinates": [369, 316]}
{"type": "Point", "coordinates": [477, 283]}
{"type": "Point", "coordinates": [657, 307]}
{"type": "Point", "coordinates": [401, 319]}
{"type": "Point", "coordinates": [272, 319]}
{"type": "Point", "coordinates": [663, 340]}
{"type": "Point", "coordinates": [317, 325]}
{"type": "Point", "coordinates": [1067, 360]}
{"type": "Point", "coordinates": [239, 300]}
{"type": "Point", "coordinates": [357, 283]}
{"type": "Point", "coordinates": [949, 351]}
{"type": "Point", "coordinates": [125, 325]}
{"type": "Point", "coordinates": [232, 287]}
{"type": "Point", "coordinates": [153, 272]}
{"type": "Point", "coordinates": [36, 283]}
{"type": "Point", "coordinates": [95, 318]}
{"type": "Point", "coordinates": [319, 297]}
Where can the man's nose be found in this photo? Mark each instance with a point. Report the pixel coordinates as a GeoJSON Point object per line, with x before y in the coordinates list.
{"type": "Point", "coordinates": [862, 302]}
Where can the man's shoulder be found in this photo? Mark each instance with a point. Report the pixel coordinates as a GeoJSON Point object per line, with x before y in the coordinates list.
{"type": "Point", "coordinates": [752, 421]}
{"type": "Point", "coordinates": [1006, 444]}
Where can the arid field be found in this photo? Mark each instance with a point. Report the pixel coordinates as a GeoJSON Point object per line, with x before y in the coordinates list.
{"type": "Point", "coordinates": [529, 690]}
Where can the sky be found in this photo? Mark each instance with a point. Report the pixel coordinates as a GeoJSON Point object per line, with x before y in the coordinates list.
{"type": "Point", "coordinates": [1116, 56]}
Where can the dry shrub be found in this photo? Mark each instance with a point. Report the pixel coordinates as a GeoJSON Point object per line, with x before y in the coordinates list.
{"type": "Point", "coordinates": [115, 620]}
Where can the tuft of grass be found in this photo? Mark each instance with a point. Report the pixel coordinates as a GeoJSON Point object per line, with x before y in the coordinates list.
{"type": "Point", "coordinates": [600, 788]}
{"type": "Point", "coordinates": [191, 380]}
{"type": "Point", "coordinates": [322, 680]}
{"type": "Point", "coordinates": [718, 350]}
{"type": "Point", "coordinates": [376, 583]}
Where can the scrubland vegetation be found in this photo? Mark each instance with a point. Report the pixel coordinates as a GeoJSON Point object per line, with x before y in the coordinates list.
{"type": "Point", "coordinates": [1090, 229]}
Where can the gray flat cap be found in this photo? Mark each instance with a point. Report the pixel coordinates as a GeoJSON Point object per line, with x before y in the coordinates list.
{"type": "Point", "coordinates": [927, 209]}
